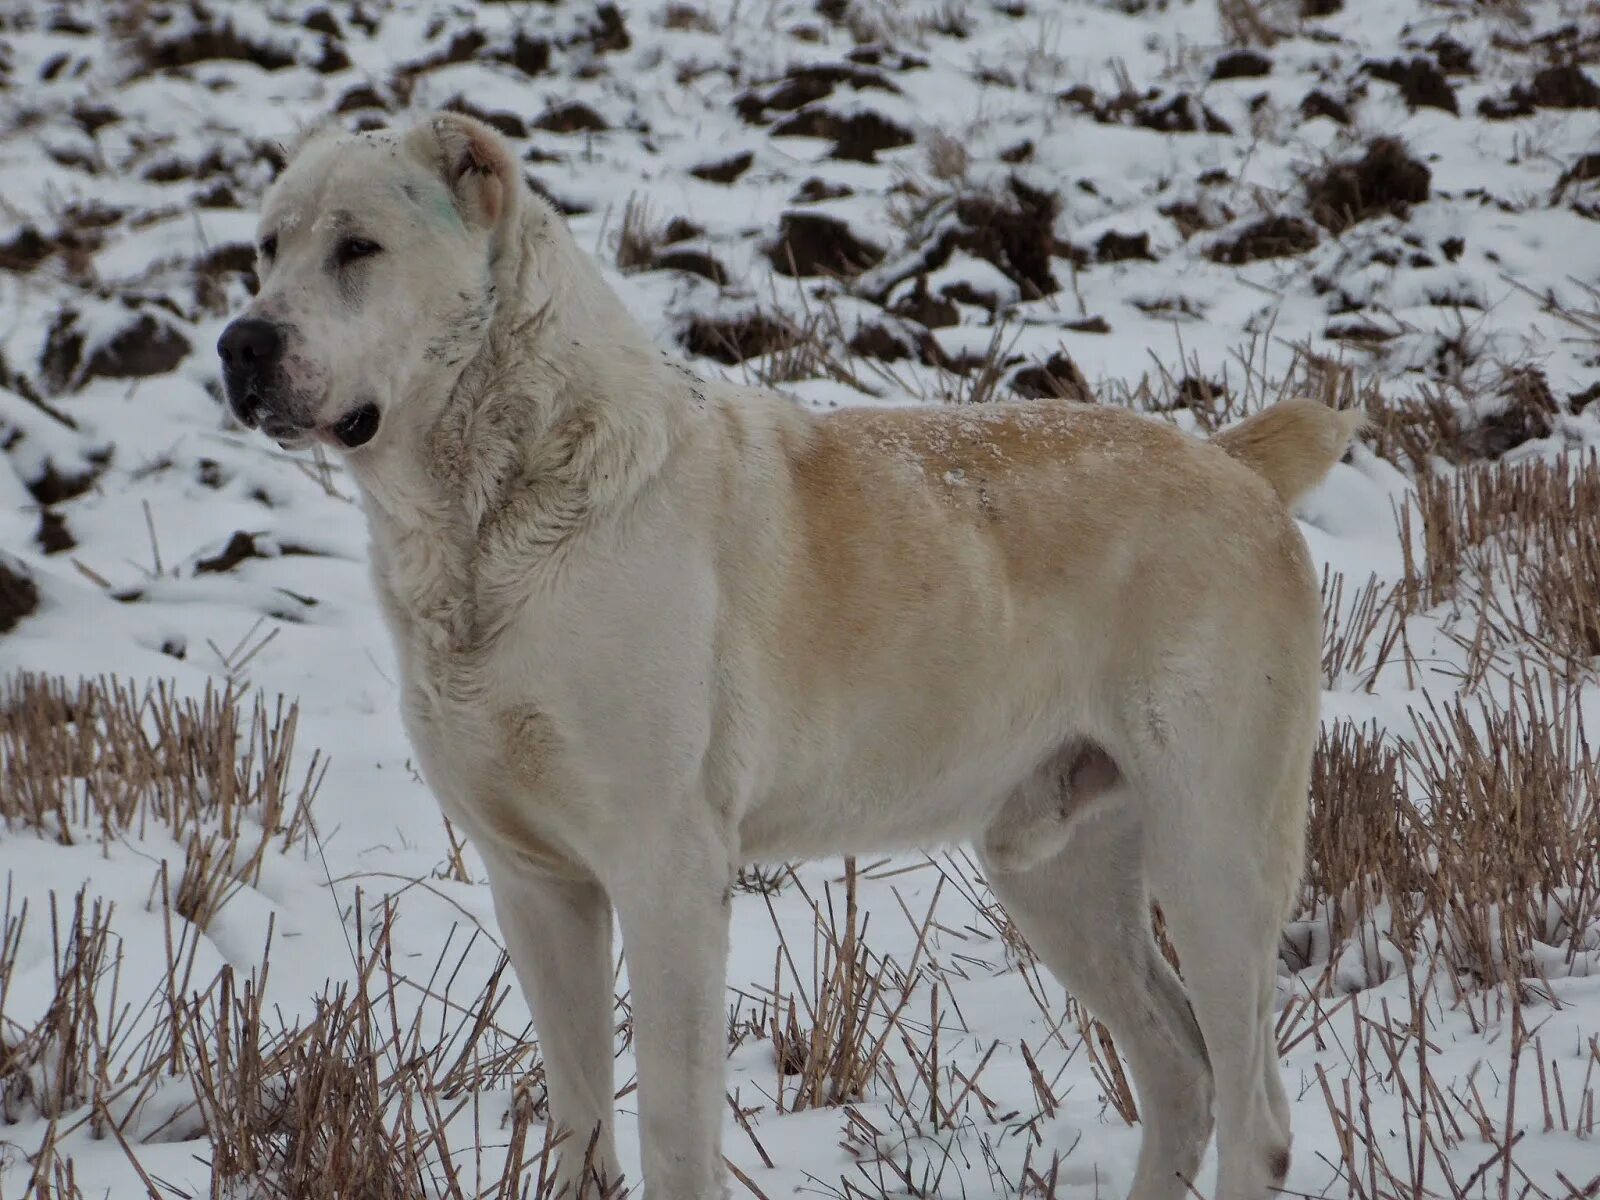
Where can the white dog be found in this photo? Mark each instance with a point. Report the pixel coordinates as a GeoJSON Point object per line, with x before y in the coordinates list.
{"type": "Point", "coordinates": [652, 626]}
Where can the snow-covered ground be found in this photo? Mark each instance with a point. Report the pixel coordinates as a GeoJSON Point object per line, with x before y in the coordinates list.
{"type": "Point", "coordinates": [883, 193]}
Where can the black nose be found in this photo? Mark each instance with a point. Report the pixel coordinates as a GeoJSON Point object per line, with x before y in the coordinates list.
{"type": "Point", "coordinates": [250, 345]}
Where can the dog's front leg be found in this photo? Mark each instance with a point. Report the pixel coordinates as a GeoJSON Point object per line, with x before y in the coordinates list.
{"type": "Point", "coordinates": [558, 935]}
{"type": "Point", "coordinates": [674, 915]}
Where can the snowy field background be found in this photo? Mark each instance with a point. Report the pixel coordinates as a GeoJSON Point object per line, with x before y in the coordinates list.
{"type": "Point", "coordinates": [239, 952]}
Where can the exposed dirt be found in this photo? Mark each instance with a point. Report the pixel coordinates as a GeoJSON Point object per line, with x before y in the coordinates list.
{"type": "Point", "coordinates": [1241, 64]}
{"type": "Point", "coordinates": [929, 311]}
{"type": "Point", "coordinates": [19, 596]}
{"type": "Point", "coordinates": [1165, 112]}
{"type": "Point", "coordinates": [1014, 230]}
{"type": "Point", "coordinates": [811, 243]}
{"type": "Point", "coordinates": [1420, 80]}
{"type": "Point", "coordinates": [733, 339]}
{"type": "Point", "coordinates": [695, 262]}
{"type": "Point", "coordinates": [1270, 237]}
{"type": "Point", "coordinates": [1564, 86]}
{"type": "Point", "coordinates": [149, 346]}
{"type": "Point", "coordinates": [1057, 377]}
{"type": "Point", "coordinates": [803, 85]}
{"type": "Point", "coordinates": [876, 340]}
{"type": "Point", "coordinates": [724, 170]}
{"type": "Point", "coordinates": [573, 117]}
{"type": "Point", "coordinates": [1526, 411]}
{"type": "Point", "coordinates": [1320, 104]}
{"type": "Point", "coordinates": [1120, 247]}
{"type": "Point", "coordinates": [1386, 179]}
{"type": "Point", "coordinates": [53, 536]}
{"type": "Point", "coordinates": [217, 39]}
{"type": "Point", "coordinates": [857, 137]}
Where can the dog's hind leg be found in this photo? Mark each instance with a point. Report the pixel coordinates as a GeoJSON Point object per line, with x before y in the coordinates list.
{"type": "Point", "coordinates": [1086, 912]}
{"type": "Point", "coordinates": [1223, 861]}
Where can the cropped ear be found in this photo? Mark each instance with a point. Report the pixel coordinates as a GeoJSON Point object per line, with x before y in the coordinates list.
{"type": "Point", "coordinates": [475, 164]}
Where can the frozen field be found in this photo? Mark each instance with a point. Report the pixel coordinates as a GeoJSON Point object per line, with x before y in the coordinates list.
{"type": "Point", "coordinates": [241, 954]}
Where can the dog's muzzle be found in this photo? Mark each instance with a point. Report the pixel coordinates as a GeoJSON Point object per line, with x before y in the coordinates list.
{"type": "Point", "coordinates": [251, 350]}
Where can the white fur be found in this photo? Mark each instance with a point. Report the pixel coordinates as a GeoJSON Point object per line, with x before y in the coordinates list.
{"type": "Point", "coordinates": [652, 626]}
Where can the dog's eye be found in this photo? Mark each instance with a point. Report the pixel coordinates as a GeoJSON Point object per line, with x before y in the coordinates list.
{"type": "Point", "coordinates": [352, 249]}
{"type": "Point", "coordinates": [269, 247]}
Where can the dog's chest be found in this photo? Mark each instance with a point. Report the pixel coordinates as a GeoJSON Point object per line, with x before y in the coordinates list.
{"type": "Point", "coordinates": [484, 736]}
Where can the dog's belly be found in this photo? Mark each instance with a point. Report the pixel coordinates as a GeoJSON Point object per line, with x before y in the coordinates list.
{"type": "Point", "coordinates": [879, 792]}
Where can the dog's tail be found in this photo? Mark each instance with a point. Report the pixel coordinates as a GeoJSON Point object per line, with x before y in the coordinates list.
{"type": "Point", "coordinates": [1293, 444]}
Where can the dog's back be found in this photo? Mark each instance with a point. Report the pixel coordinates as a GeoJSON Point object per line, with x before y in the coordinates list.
{"type": "Point", "coordinates": [962, 583]}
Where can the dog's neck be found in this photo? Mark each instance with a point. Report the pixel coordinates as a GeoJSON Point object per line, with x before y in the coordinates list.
{"type": "Point", "coordinates": [564, 413]}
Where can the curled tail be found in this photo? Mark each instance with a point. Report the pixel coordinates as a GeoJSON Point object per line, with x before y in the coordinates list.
{"type": "Point", "coordinates": [1293, 444]}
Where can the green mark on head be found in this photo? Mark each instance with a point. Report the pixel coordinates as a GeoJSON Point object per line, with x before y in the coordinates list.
{"type": "Point", "coordinates": [435, 202]}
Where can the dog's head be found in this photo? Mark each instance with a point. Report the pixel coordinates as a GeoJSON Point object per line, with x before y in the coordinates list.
{"type": "Point", "coordinates": [374, 253]}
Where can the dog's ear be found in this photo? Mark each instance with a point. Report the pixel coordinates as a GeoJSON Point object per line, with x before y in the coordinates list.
{"type": "Point", "coordinates": [476, 165]}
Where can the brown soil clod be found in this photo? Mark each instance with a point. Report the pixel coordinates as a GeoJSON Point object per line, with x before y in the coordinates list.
{"type": "Point", "coordinates": [1384, 180]}
{"type": "Point", "coordinates": [1014, 230]}
{"type": "Point", "coordinates": [814, 189]}
{"type": "Point", "coordinates": [810, 243]}
{"type": "Point", "coordinates": [857, 137]}
{"type": "Point", "coordinates": [1566, 86]}
{"type": "Point", "coordinates": [320, 20]}
{"type": "Point", "coordinates": [528, 54]}
{"type": "Point", "coordinates": [53, 536]}
{"type": "Point", "coordinates": [572, 117]}
{"type": "Point", "coordinates": [1058, 377]}
{"type": "Point", "coordinates": [930, 311]}
{"type": "Point", "coordinates": [1526, 413]}
{"type": "Point", "coordinates": [1421, 82]}
{"type": "Point", "coordinates": [53, 485]}
{"type": "Point", "coordinates": [1241, 64]}
{"type": "Point", "coordinates": [1166, 112]}
{"type": "Point", "coordinates": [724, 170]}
{"type": "Point", "coordinates": [608, 33]}
{"type": "Point", "coordinates": [1094, 324]}
{"type": "Point", "coordinates": [1320, 104]}
{"type": "Point", "coordinates": [876, 340]}
{"type": "Point", "coordinates": [1122, 247]}
{"type": "Point", "coordinates": [732, 340]}
{"type": "Point", "coordinates": [362, 96]}
{"type": "Point", "coordinates": [19, 595]}
{"type": "Point", "coordinates": [240, 546]}
{"type": "Point", "coordinates": [149, 346]}
{"type": "Point", "coordinates": [803, 85]}
{"type": "Point", "coordinates": [679, 229]}
{"type": "Point", "coordinates": [1453, 58]}
{"type": "Point", "coordinates": [26, 250]}
{"type": "Point", "coordinates": [694, 262]}
{"type": "Point", "coordinates": [210, 41]}
{"type": "Point", "coordinates": [332, 59]}
{"type": "Point", "coordinates": [1271, 237]}
{"type": "Point", "coordinates": [93, 117]}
